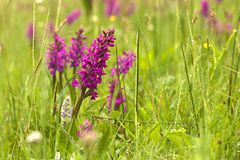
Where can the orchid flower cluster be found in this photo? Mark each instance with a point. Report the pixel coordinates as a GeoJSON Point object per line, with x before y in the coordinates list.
{"type": "Point", "coordinates": [94, 63]}
{"type": "Point", "coordinates": [73, 16]}
{"type": "Point", "coordinates": [89, 64]}
{"type": "Point", "coordinates": [125, 62]}
{"type": "Point", "coordinates": [57, 55]}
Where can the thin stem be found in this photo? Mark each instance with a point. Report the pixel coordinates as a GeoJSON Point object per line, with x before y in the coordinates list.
{"type": "Point", "coordinates": [190, 88]}
{"type": "Point", "coordinates": [75, 114]}
{"type": "Point", "coordinates": [61, 25]}
{"type": "Point", "coordinates": [120, 90]}
{"type": "Point", "coordinates": [232, 82]}
{"type": "Point", "coordinates": [54, 89]}
{"type": "Point", "coordinates": [76, 111]}
{"type": "Point", "coordinates": [237, 67]}
{"type": "Point", "coordinates": [58, 14]}
{"type": "Point", "coordinates": [118, 77]}
{"type": "Point", "coordinates": [129, 121]}
{"type": "Point", "coordinates": [79, 102]}
{"type": "Point", "coordinates": [60, 82]}
{"type": "Point", "coordinates": [136, 91]}
{"type": "Point", "coordinates": [74, 71]}
{"type": "Point", "coordinates": [70, 131]}
{"type": "Point", "coordinates": [33, 38]}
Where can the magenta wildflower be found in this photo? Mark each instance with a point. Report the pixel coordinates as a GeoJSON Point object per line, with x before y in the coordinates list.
{"type": "Point", "coordinates": [94, 62]}
{"type": "Point", "coordinates": [125, 62]}
{"type": "Point", "coordinates": [29, 31]}
{"type": "Point", "coordinates": [73, 16]}
{"type": "Point", "coordinates": [85, 128]}
{"type": "Point", "coordinates": [119, 100]}
{"type": "Point", "coordinates": [112, 7]}
{"type": "Point", "coordinates": [75, 83]}
{"type": "Point", "coordinates": [76, 49]}
{"type": "Point", "coordinates": [204, 8]}
{"type": "Point", "coordinates": [56, 55]}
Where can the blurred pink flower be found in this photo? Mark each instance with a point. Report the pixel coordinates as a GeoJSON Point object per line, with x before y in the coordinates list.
{"type": "Point", "coordinates": [73, 16]}
{"type": "Point", "coordinates": [229, 27]}
{"type": "Point", "coordinates": [112, 7]}
{"type": "Point", "coordinates": [204, 8]}
{"type": "Point", "coordinates": [86, 133]}
{"type": "Point", "coordinates": [86, 127]}
{"type": "Point", "coordinates": [50, 28]}
{"type": "Point", "coordinates": [29, 31]}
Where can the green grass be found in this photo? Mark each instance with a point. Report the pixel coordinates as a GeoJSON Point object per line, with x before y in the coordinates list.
{"type": "Point", "coordinates": [183, 103]}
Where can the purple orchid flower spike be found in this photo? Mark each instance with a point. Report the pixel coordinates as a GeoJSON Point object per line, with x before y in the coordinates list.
{"type": "Point", "coordinates": [112, 7]}
{"type": "Point", "coordinates": [56, 55]}
{"type": "Point", "coordinates": [204, 8]}
{"type": "Point", "coordinates": [125, 62]}
{"type": "Point", "coordinates": [73, 16]}
{"type": "Point", "coordinates": [94, 62]}
{"type": "Point", "coordinates": [29, 31]}
{"type": "Point", "coordinates": [120, 98]}
{"type": "Point", "coordinates": [77, 49]}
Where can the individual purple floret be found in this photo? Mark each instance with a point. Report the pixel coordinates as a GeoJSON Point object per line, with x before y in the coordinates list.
{"type": "Point", "coordinates": [75, 83]}
{"type": "Point", "coordinates": [56, 55]}
{"type": "Point", "coordinates": [125, 62]}
{"type": "Point", "coordinates": [85, 128]}
{"type": "Point", "coordinates": [29, 31]}
{"type": "Point", "coordinates": [73, 16]}
{"type": "Point", "coordinates": [112, 7]}
{"type": "Point", "coordinates": [94, 62]}
{"type": "Point", "coordinates": [204, 8]}
{"type": "Point", "coordinates": [119, 100]}
{"type": "Point", "coordinates": [76, 49]}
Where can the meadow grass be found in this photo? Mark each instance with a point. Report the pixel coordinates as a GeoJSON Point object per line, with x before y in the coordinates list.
{"type": "Point", "coordinates": [182, 94]}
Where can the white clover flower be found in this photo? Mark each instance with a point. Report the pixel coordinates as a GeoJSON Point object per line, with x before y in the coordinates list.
{"type": "Point", "coordinates": [34, 137]}
{"type": "Point", "coordinates": [58, 156]}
